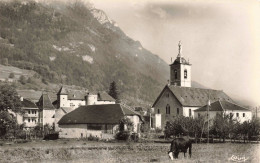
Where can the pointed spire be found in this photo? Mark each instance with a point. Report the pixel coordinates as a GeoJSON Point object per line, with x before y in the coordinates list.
{"type": "Point", "coordinates": [180, 49]}
{"type": "Point", "coordinates": [62, 91]}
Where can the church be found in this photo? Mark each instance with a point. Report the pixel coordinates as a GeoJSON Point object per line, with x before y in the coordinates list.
{"type": "Point", "coordinates": [178, 98]}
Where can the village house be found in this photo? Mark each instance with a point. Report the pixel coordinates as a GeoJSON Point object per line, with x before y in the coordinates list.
{"type": "Point", "coordinates": [30, 113]}
{"type": "Point", "coordinates": [239, 113]}
{"type": "Point", "coordinates": [178, 98]}
{"type": "Point", "coordinates": [100, 121]}
{"type": "Point", "coordinates": [46, 111]}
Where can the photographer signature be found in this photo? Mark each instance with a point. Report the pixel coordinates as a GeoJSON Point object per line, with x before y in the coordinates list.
{"type": "Point", "coordinates": [238, 158]}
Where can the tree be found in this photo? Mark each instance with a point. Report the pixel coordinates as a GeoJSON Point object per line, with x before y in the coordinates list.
{"type": "Point", "coordinates": [11, 75]}
{"type": "Point", "coordinates": [223, 125]}
{"type": "Point", "coordinates": [9, 98]}
{"type": "Point", "coordinates": [113, 91]}
{"type": "Point", "coordinates": [22, 79]}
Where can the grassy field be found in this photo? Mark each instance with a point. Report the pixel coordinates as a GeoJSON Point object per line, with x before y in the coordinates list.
{"type": "Point", "coordinates": [86, 151]}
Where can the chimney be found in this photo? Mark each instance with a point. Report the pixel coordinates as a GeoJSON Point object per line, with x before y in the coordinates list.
{"type": "Point", "coordinates": [168, 82]}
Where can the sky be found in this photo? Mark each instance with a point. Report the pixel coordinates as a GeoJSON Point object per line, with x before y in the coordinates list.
{"type": "Point", "coordinates": [221, 38]}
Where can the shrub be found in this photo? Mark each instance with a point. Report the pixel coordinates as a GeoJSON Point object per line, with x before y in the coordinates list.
{"type": "Point", "coordinates": [123, 135]}
{"type": "Point", "coordinates": [158, 130]}
{"type": "Point", "coordinates": [93, 138]}
{"type": "Point", "coordinates": [134, 137]}
{"type": "Point", "coordinates": [11, 75]}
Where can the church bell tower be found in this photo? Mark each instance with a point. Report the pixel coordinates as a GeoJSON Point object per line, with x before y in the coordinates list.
{"type": "Point", "coordinates": [180, 70]}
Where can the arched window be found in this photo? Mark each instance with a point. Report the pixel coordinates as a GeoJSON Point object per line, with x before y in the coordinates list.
{"type": "Point", "coordinates": [168, 109]}
{"type": "Point", "coordinates": [158, 111]}
{"type": "Point", "coordinates": [175, 74]}
{"type": "Point", "coordinates": [185, 74]}
{"type": "Point", "coordinates": [178, 111]}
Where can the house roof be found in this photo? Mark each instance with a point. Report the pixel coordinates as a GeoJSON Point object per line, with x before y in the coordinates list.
{"type": "Point", "coordinates": [28, 104]}
{"type": "Point", "coordinates": [196, 97]}
{"type": "Point", "coordinates": [45, 102]}
{"type": "Point", "coordinates": [67, 109]}
{"type": "Point", "coordinates": [222, 105]}
{"type": "Point", "coordinates": [62, 91]}
{"type": "Point", "coordinates": [76, 95]}
{"type": "Point", "coordinates": [95, 114]}
{"type": "Point", "coordinates": [103, 96]}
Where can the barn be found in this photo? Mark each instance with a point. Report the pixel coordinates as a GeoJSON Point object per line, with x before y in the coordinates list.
{"type": "Point", "coordinates": [101, 121]}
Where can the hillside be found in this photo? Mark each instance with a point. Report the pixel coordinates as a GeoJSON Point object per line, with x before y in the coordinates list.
{"type": "Point", "coordinates": [78, 45]}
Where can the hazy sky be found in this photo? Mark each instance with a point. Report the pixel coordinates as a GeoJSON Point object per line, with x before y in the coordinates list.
{"type": "Point", "coordinates": [220, 38]}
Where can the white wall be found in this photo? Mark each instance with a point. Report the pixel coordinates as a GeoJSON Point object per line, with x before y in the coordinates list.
{"type": "Point", "coordinates": [81, 131]}
{"type": "Point", "coordinates": [158, 121]}
{"type": "Point", "coordinates": [73, 131]}
{"type": "Point", "coordinates": [48, 117]}
{"type": "Point", "coordinates": [186, 82]}
{"type": "Point", "coordinates": [75, 103]}
{"type": "Point", "coordinates": [212, 114]}
{"type": "Point", "coordinates": [248, 115]}
{"type": "Point", "coordinates": [64, 101]}
{"type": "Point", "coordinates": [186, 111]}
{"type": "Point", "coordinates": [136, 122]}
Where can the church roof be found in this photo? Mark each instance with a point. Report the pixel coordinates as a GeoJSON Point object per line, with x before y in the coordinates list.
{"type": "Point", "coordinates": [222, 105]}
{"type": "Point", "coordinates": [180, 60]}
{"type": "Point", "coordinates": [45, 103]}
{"type": "Point", "coordinates": [195, 97]}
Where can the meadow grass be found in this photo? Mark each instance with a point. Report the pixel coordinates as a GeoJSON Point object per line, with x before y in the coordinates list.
{"type": "Point", "coordinates": [89, 151]}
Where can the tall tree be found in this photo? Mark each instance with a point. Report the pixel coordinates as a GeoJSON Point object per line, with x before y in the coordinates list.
{"type": "Point", "coordinates": [9, 98]}
{"type": "Point", "coordinates": [113, 91]}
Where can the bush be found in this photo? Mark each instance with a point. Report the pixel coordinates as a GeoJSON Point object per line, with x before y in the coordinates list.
{"type": "Point", "coordinates": [11, 75]}
{"type": "Point", "coordinates": [134, 137]}
{"type": "Point", "coordinates": [93, 138]}
{"type": "Point", "coordinates": [123, 135]}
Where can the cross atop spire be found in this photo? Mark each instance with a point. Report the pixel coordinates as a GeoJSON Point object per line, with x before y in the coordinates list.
{"type": "Point", "coordinates": [180, 49]}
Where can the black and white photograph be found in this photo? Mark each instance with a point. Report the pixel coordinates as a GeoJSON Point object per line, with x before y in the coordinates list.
{"type": "Point", "coordinates": [111, 81]}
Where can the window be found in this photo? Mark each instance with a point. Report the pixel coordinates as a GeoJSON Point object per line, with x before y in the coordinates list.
{"type": "Point", "coordinates": [158, 111]}
{"type": "Point", "coordinates": [175, 74]}
{"type": "Point", "coordinates": [178, 111]}
{"type": "Point", "coordinates": [244, 114]}
{"type": "Point", "coordinates": [189, 112]}
{"type": "Point", "coordinates": [237, 114]}
{"type": "Point", "coordinates": [185, 74]}
{"type": "Point", "coordinates": [168, 109]}
{"type": "Point", "coordinates": [29, 112]}
{"type": "Point", "coordinates": [29, 120]}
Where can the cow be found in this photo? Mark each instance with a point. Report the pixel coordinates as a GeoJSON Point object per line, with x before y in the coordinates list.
{"type": "Point", "coordinates": [180, 145]}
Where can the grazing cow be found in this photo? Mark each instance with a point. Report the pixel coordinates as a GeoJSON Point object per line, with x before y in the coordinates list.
{"type": "Point", "coordinates": [180, 145]}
